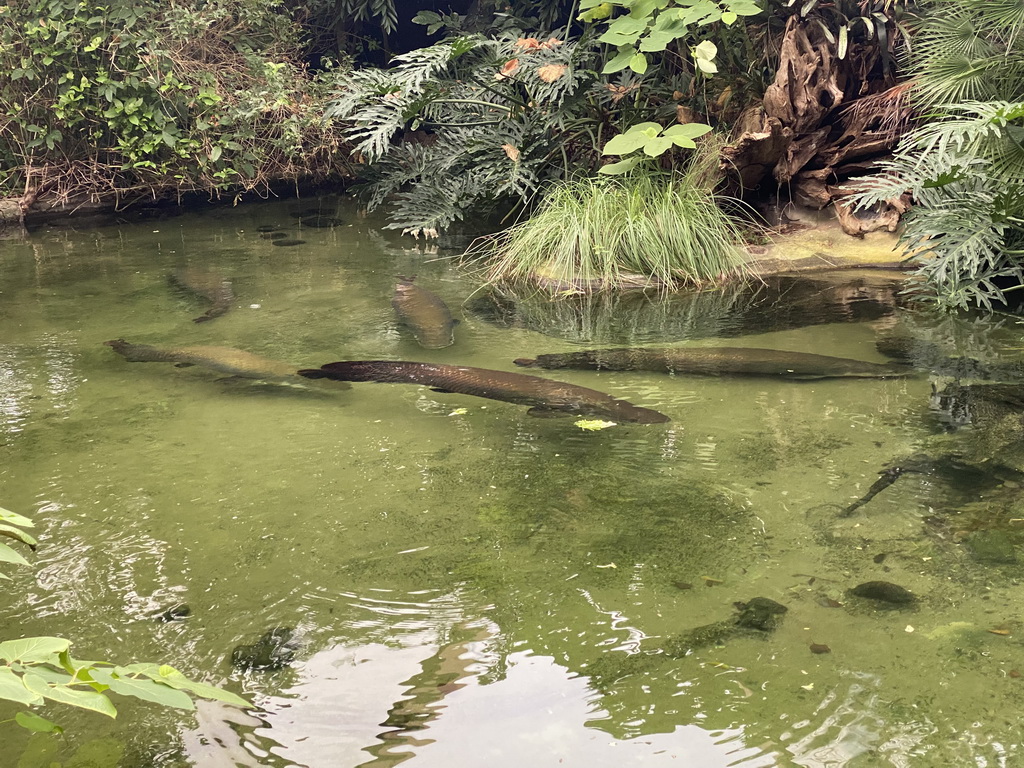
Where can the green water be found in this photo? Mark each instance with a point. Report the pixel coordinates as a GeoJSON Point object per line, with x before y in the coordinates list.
{"type": "Point", "coordinates": [456, 569]}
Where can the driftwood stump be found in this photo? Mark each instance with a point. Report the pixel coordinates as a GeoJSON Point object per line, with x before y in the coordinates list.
{"type": "Point", "coordinates": [824, 120]}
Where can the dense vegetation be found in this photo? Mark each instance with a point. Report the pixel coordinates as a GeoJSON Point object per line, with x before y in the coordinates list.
{"type": "Point", "coordinates": [474, 110]}
{"type": "Point", "coordinates": [134, 98]}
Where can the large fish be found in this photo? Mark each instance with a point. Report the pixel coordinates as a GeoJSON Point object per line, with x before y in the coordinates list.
{"type": "Point", "coordinates": [425, 314]}
{"type": "Point", "coordinates": [208, 285]}
{"type": "Point", "coordinates": [233, 362]}
{"type": "Point", "coordinates": [719, 361]}
{"type": "Point", "coordinates": [546, 397]}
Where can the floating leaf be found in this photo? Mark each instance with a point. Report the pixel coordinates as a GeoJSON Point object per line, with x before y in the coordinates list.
{"type": "Point", "coordinates": [592, 425]}
{"type": "Point", "coordinates": [459, 412]}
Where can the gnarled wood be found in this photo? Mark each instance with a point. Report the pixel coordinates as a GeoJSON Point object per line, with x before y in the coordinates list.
{"type": "Point", "coordinates": [758, 144]}
{"type": "Point", "coordinates": [810, 81]}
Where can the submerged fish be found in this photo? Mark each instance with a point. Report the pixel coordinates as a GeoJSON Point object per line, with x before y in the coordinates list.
{"type": "Point", "coordinates": [211, 286]}
{"type": "Point", "coordinates": [234, 362]}
{"type": "Point", "coordinates": [719, 361]}
{"type": "Point", "coordinates": [546, 397]}
{"type": "Point", "coordinates": [425, 314]}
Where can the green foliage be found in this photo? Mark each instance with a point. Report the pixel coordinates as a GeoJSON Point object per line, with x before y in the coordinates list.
{"type": "Point", "coordinates": [653, 140]}
{"type": "Point", "coordinates": [597, 233]}
{"type": "Point", "coordinates": [864, 22]}
{"type": "Point", "coordinates": [137, 97]}
{"type": "Point", "coordinates": [499, 117]}
{"type": "Point", "coordinates": [964, 164]}
{"type": "Point", "coordinates": [651, 26]}
{"type": "Point", "coordinates": [37, 670]}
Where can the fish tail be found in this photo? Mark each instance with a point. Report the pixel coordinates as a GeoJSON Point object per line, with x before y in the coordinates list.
{"type": "Point", "coordinates": [526, 362]}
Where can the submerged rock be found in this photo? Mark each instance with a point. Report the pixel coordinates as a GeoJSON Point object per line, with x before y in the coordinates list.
{"type": "Point", "coordinates": [991, 547]}
{"type": "Point", "coordinates": [274, 650]}
{"type": "Point", "coordinates": [884, 592]}
{"type": "Point", "coordinates": [178, 612]}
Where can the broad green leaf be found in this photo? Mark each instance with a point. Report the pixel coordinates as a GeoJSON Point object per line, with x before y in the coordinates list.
{"type": "Point", "coordinates": [645, 8]}
{"type": "Point", "coordinates": [8, 555]}
{"type": "Point", "coordinates": [618, 39]}
{"type": "Point", "coordinates": [12, 689]}
{"type": "Point", "coordinates": [33, 722]}
{"type": "Point", "coordinates": [638, 63]}
{"type": "Point", "coordinates": [707, 67]}
{"type": "Point", "coordinates": [628, 25]}
{"type": "Point", "coordinates": [144, 668]}
{"type": "Point", "coordinates": [17, 533]}
{"type": "Point", "coordinates": [656, 41]}
{"type": "Point", "coordinates": [620, 61]}
{"type": "Point", "coordinates": [215, 153]}
{"type": "Point", "coordinates": [95, 702]}
{"type": "Point", "coordinates": [729, 18]}
{"type": "Point", "coordinates": [147, 690]}
{"type": "Point", "coordinates": [614, 169]}
{"type": "Point", "coordinates": [683, 141]}
{"type": "Point", "coordinates": [689, 130]}
{"type": "Point", "coordinates": [53, 676]}
{"type": "Point", "coordinates": [742, 8]}
{"type": "Point", "coordinates": [13, 517]}
{"type": "Point", "coordinates": [34, 649]}
{"type": "Point", "coordinates": [844, 39]}
{"type": "Point", "coordinates": [625, 143]}
{"type": "Point", "coordinates": [596, 13]}
{"type": "Point", "coordinates": [172, 677]}
{"type": "Point", "coordinates": [705, 50]}
{"type": "Point", "coordinates": [657, 146]}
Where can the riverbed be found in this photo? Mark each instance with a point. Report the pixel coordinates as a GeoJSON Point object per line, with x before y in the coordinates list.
{"type": "Point", "coordinates": [468, 584]}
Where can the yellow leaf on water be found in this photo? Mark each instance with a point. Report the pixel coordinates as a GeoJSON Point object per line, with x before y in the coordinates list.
{"type": "Point", "coordinates": [593, 425]}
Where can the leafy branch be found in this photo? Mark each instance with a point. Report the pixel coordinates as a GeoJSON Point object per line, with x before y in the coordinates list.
{"type": "Point", "coordinates": [37, 670]}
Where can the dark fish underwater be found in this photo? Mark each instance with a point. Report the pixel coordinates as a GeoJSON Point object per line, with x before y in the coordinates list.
{"type": "Point", "coordinates": [213, 287]}
{"type": "Point", "coordinates": [227, 360]}
{"type": "Point", "coordinates": [425, 314]}
{"type": "Point", "coordinates": [546, 397]}
{"type": "Point", "coordinates": [719, 361]}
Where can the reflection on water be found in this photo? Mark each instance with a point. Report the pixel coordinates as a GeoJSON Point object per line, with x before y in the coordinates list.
{"type": "Point", "coordinates": [469, 585]}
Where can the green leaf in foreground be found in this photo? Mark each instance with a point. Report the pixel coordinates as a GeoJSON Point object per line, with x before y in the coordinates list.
{"type": "Point", "coordinates": [12, 689]}
{"type": "Point", "coordinates": [33, 649]}
{"type": "Point", "coordinates": [90, 700]}
{"type": "Point", "coordinates": [147, 690]}
{"type": "Point", "coordinates": [33, 722]}
{"type": "Point", "coordinates": [15, 519]}
{"type": "Point", "coordinates": [8, 555]}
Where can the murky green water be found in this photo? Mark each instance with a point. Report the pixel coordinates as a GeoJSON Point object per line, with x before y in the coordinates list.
{"type": "Point", "coordinates": [481, 587]}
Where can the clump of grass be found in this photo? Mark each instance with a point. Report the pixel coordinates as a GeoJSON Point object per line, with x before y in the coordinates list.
{"type": "Point", "coordinates": [611, 232]}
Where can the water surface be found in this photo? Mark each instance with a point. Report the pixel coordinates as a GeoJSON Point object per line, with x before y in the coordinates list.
{"type": "Point", "coordinates": [456, 569]}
